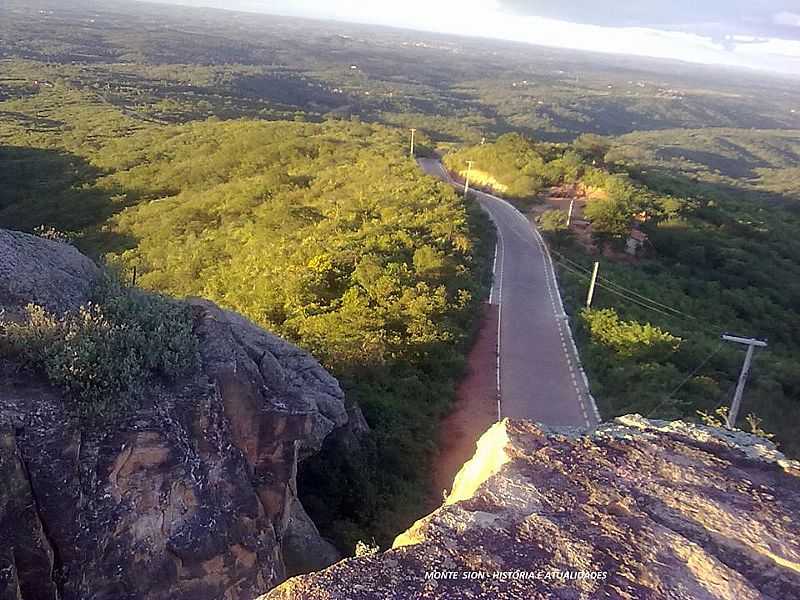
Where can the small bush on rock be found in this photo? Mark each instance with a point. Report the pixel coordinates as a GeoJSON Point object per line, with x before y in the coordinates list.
{"type": "Point", "coordinates": [366, 549]}
{"type": "Point", "coordinates": [104, 354]}
{"type": "Point", "coordinates": [53, 234]}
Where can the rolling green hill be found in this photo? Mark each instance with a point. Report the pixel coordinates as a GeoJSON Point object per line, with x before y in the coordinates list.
{"type": "Point", "coordinates": [761, 162]}
{"type": "Point", "coordinates": [174, 64]}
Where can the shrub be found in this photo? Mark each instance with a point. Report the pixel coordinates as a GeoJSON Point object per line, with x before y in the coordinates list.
{"type": "Point", "coordinates": [610, 217]}
{"type": "Point", "coordinates": [553, 221]}
{"type": "Point", "coordinates": [53, 234]}
{"type": "Point", "coordinates": [366, 549]}
{"type": "Point", "coordinates": [554, 224]}
{"type": "Point", "coordinates": [629, 339]}
{"type": "Point", "coordinates": [104, 354]}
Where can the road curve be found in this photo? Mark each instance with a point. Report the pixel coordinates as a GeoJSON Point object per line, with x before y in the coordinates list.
{"type": "Point", "coordinates": [539, 374]}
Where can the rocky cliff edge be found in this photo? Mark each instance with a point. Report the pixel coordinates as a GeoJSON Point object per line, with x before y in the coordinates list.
{"type": "Point", "coordinates": [635, 510]}
{"type": "Point", "coordinates": [193, 496]}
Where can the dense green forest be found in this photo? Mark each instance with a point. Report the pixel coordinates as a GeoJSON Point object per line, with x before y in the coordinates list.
{"type": "Point", "coordinates": [521, 169]}
{"type": "Point", "coordinates": [721, 257]}
{"type": "Point", "coordinates": [262, 162]}
{"type": "Point", "coordinates": [326, 234]}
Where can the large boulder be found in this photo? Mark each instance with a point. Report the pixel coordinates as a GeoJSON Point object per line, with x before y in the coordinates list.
{"type": "Point", "coordinates": [634, 510]}
{"type": "Point", "coordinates": [304, 550]}
{"type": "Point", "coordinates": [189, 497]}
{"type": "Point", "coordinates": [39, 271]}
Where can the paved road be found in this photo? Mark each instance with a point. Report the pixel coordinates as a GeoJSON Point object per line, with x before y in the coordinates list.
{"type": "Point", "coordinates": [539, 375]}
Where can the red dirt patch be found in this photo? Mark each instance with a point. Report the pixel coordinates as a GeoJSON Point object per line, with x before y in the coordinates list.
{"type": "Point", "coordinates": [475, 409]}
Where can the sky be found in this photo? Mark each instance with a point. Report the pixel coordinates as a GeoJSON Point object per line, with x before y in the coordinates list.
{"type": "Point", "coordinates": [762, 34]}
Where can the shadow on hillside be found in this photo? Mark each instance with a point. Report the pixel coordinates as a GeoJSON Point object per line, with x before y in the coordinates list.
{"type": "Point", "coordinates": [731, 167]}
{"type": "Point", "coordinates": [665, 180]}
{"type": "Point", "coordinates": [32, 123]}
{"type": "Point", "coordinates": [58, 189]}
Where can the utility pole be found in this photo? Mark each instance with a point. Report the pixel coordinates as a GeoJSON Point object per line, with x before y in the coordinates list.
{"type": "Point", "coordinates": [466, 181]}
{"type": "Point", "coordinates": [751, 344]}
{"type": "Point", "coordinates": [569, 214]}
{"type": "Point", "coordinates": [413, 131]}
{"type": "Point", "coordinates": [591, 285]}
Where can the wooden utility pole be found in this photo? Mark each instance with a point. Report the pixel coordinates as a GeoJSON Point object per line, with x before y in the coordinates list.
{"type": "Point", "coordinates": [466, 181]}
{"type": "Point", "coordinates": [569, 214]}
{"type": "Point", "coordinates": [413, 131]}
{"type": "Point", "coordinates": [591, 285]}
{"type": "Point", "coordinates": [751, 344]}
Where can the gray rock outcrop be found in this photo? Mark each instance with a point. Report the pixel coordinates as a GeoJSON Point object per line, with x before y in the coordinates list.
{"type": "Point", "coordinates": [189, 497]}
{"type": "Point", "coordinates": [635, 510]}
{"type": "Point", "coordinates": [44, 272]}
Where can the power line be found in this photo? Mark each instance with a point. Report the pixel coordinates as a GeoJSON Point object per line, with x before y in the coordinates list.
{"type": "Point", "coordinates": [687, 379]}
{"type": "Point", "coordinates": [709, 328]}
{"type": "Point", "coordinates": [569, 260]}
{"type": "Point", "coordinates": [656, 302]}
{"type": "Point", "coordinates": [733, 413]}
{"type": "Point", "coordinates": [635, 301]}
{"type": "Point", "coordinates": [651, 305]}
{"type": "Point", "coordinates": [627, 290]}
{"type": "Point", "coordinates": [620, 294]}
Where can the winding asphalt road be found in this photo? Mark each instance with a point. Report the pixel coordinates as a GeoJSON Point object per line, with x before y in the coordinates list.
{"type": "Point", "coordinates": [539, 374]}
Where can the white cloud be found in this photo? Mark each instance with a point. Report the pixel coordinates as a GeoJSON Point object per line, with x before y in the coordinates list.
{"type": "Point", "coordinates": [485, 18]}
{"type": "Point", "coordinates": [787, 18]}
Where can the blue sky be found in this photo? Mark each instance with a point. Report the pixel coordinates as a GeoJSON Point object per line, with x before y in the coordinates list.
{"type": "Point", "coordinates": [761, 34]}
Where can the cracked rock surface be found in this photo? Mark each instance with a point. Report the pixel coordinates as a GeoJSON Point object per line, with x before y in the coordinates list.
{"type": "Point", "coordinates": [668, 510]}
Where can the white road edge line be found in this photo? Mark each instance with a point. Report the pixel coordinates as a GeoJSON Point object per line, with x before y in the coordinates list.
{"type": "Point", "coordinates": [494, 276]}
{"type": "Point", "coordinates": [552, 273]}
{"type": "Point", "coordinates": [549, 266]}
{"type": "Point", "coordinates": [499, 315]}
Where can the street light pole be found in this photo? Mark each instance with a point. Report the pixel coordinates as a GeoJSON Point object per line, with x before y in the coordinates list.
{"type": "Point", "coordinates": [413, 131]}
{"type": "Point", "coordinates": [466, 181]}
{"type": "Point", "coordinates": [751, 344]}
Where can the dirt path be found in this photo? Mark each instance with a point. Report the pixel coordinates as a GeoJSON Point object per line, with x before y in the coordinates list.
{"type": "Point", "coordinates": [474, 411]}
